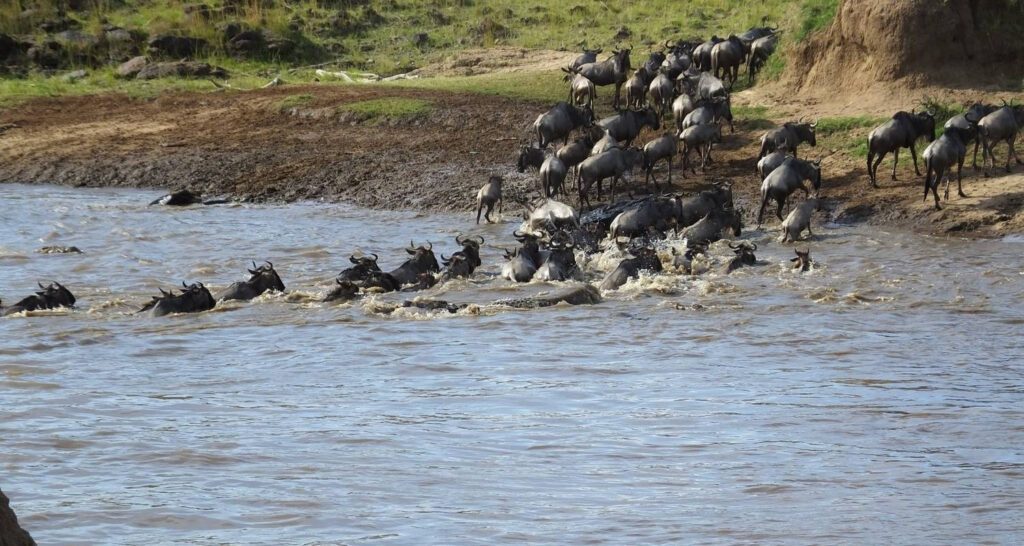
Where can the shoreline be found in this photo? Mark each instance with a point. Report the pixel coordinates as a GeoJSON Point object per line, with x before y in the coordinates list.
{"type": "Point", "coordinates": [257, 146]}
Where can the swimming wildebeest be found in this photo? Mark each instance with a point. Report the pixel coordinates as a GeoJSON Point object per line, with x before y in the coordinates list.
{"type": "Point", "coordinates": [787, 137]}
{"type": "Point", "coordinates": [52, 296]}
{"type": "Point", "coordinates": [744, 256]}
{"type": "Point", "coordinates": [184, 198]}
{"type": "Point", "coordinates": [802, 260]}
{"type": "Point", "coordinates": [345, 291]}
{"type": "Point", "coordinates": [558, 122]}
{"type": "Point", "coordinates": [422, 260]}
{"type": "Point", "coordinates": [522, 262]}
{"type": "Point", "coordinates": [709, 229]}
{"type": "Point", "coordinates": [193, 298]}
{"type": "Point", "coordinates": [361, 268]}
{"type": "Point", "coordinates": [902, 131]}
{"type": "Point", "coordinates": [785, 180]}
{"type": "Point", "coordinates": [488, 196]}
{"type": "Point", "coordinates": [644, 259]}
{"type": "Point", "coordinates": [560, 264]}
{"type": "Point", "coordinates": [262, 278]}
{"type": "Point", "coordinates": [659, 214]}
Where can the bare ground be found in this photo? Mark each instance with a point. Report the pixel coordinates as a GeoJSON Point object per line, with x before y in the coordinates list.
{"type": "Point", "coordinates": [242, 144]}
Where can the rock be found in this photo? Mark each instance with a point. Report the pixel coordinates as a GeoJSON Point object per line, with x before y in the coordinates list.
{"type": "Point", "coordinates": [46, 55]}
{"type": "Point", "coordinates": [230, 29]}
{"type": "Point", "coordinates": [176, 46]}
{"type": "Point", "coordinates": [246, 42]}
{"type": "Point", "coordinates": [59, 250]}
{"type": "Point", "coordinates": [58, 25]}
{"type": "Point", "coordinates": [11, 534]}
{"type": "Point", "coordinates": [122, 44]}
{"type": "Point", "coordinates": [278, 46]}
{"type": "Point", "coordinates": [74, 76]}
{"type": "Point", "coordinates": [131, 68]}
{"type": "Point", "coordinates": [9, 47]}
{"type": "Point", "coordinates": [180, 69]}
{"type": "Point", "coordinates": [421, 39]}
{"type": "Point", "coordinates": [623, 33]}
{"type": "Point", "coordinates": [197, 12]}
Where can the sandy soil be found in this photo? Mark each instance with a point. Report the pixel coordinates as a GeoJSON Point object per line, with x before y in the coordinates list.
{"type": "Point", "coordinates": [241, 144]}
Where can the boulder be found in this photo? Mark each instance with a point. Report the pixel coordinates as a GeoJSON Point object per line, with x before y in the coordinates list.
{"type": "Point", "coordinates": [9, 47]}
{"type": "Point", "coordinates": [180, 69]}
{"type": "Point", "coordinates": [131, 68]}
{"type": "Point", "coordinates": [74, 75]}
{"type": "Point", "coordinates": [11, 534]}
{"type": "Point", "coordinates": [246, 43]}
{"type": "Point", "coordinates": [58, 25]}
{"type": "Point", "coordinates": [48, 54]}
{"type": "Point", "coordinates": [122, 44]}
{"type": "Point", "coordinates": [167, 45]}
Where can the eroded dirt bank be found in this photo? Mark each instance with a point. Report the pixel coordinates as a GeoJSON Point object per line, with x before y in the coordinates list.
{"type": "Point", "coordinates": [245, 145]}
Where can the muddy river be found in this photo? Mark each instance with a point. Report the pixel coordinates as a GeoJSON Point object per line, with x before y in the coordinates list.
{"type": "Point", "coordinates": [875, 399]}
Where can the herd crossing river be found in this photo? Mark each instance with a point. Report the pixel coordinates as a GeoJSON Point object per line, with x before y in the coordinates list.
{"type": "Point", "coordinates": [873, 399]}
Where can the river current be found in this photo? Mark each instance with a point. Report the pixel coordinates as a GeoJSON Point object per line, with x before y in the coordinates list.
{"type": "Point", "coordinates": [877, 399]}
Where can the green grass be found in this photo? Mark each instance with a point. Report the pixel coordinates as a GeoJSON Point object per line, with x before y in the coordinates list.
{"type": "Point", "coordinates": [294, 101]}
{"type": "Point", "coordinates": [815, 15]}
{"type": "Point", "coordinates": [392, 108]}
{"type": "Point", "coordinates": [536, 86]}
{"type": "Point", "coordinates": [828, 126]}
{"type": "Point", "coordinates": [847, 134]}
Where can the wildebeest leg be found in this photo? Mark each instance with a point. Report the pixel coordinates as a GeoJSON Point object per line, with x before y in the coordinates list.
{"type": "Point", "coordinates": [479, 208]}
{"type": "Point", "coordinates": [809, 233]}
{"type": "Point", "coordinates": [945, 194]}
{"type": "Point", "coordinates": [960, 178]}
{"type": "Point", "coordinates": [760, 213]}
{"type": "Point", "coordinates": [501, 203]}
{"type": "Point", "coordinates": [927, 179]}
{"type": "Point", "coordinates": [974, 163]}
{"type": "Point", "coordinates": [874, 169]}
{"type": "Point", "coordinates": [895, 161]}
{"type": "Point", "coordinates": [1013, 139]}
{"type": "Point", "coordinates": [913, 154]}
{"type": "Point", "coordinates": [487, 215]}
{"type": "Point", "coordinates": [935, 187]}
{"type": "Point", "coordinates": [782, 202]}
{"type": "Point", "coordinates": [871, 169]}
{"type": "Point", "coordinates": [669, 172]}
{"type": "Point", "coordinates": [987, 151]}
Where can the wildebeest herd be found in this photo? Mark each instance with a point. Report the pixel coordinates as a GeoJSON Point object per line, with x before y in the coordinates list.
{"type": "Point", "coordinates": [691, 81]}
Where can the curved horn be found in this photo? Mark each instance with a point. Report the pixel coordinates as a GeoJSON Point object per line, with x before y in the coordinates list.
{"type": "Point", "coordinates": [41, 285]}
{"type": "Point", "coordinates": [412, 246]}
{"type": "Point", "coordinates": [430, 246]}
{"type": "Point", "coordinates": [481, 239]}
{"type": "Point", "coordinates": [352, 258]}
{"type": "Point", "coordinates": [254, 266]}
{"type": "Point", "coordinates": [734, 247]}
{"type": "Point", "coordinates": [815, 124]}
{"type": "Point", "coordinates": [183, 284]}
{"type": "Point", "coordinates": [459, 240]}
{"type": "Point", "coordinates": [518, 234]}
{"type": "Point", "coordinates": [443, 258]}
{"type": "Point", "coordinates": [374, 258]}
{"type": "Point", "coordinates": [754, 245]}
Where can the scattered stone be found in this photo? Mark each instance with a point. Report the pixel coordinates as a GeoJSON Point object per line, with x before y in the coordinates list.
{"type": "Point", "coordinates": [623, 33]}
{"type": "Point", "coordinates": [58, 25]}
{"type": "Point", "coordinates": [132, 67]}
{"type": "Point", "coordinates": [11, 534]}
{"type": "Point", "coordinates": [46, 55]}
{"type": "Point", "coordinates": [421, 39]}
{"type": "Point", "coordinates": [180, 69]}
{"type": "Point", "coordinates": [75, 75]}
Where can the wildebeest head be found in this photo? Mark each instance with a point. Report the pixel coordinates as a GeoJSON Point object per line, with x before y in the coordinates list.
{"type": "Point", "coordinates": [530, 245]}
{"type": "Point", "coordinates": [816, 179]}
{"type": "Point", "coordinates": [457, 266]}
{"type": "Point", "coordinates": [734, 220]}
{"type": "Point", "coordinates": [382, 281]}
{"type": "Point", "coordinates": [802, 260]}
{"type": "Point", "coordinates": [529, 157]}
{"type": "Point", "coordinates": [51, 296]}
{"type": "Point", "coordinates": [923, 123]}
{"type": "Point", "coordinates": [621, 59]}
{"type": "Point", "coordinates": [471, 248]}
{"type": "Point", "coordinates": [361, 268]}
{"type": "Point", "coordinates": [423, 257]}
{"type": "Point", "coordinates": [264, 278]}
{"type": "Point", "coordinates": [654, 61]}
{"type": "Point", "coordinates": [806, 132]}
{"type": "Point", "coordinates": [345, 290]}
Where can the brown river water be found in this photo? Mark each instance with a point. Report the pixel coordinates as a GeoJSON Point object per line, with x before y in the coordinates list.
{"type": "Point", "coordinates": [877, 399]}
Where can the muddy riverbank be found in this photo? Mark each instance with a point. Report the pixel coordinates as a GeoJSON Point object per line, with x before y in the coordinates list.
{"type": "Point", "coordinates": [303, 142]}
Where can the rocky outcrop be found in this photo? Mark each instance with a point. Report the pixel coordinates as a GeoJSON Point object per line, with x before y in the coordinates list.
{"type": "Point", "coordinates": [11, 534]}
{"type": "Point", "coordinates": [166, 45]}
{"type": "Point", "coordinates": [180, 69]}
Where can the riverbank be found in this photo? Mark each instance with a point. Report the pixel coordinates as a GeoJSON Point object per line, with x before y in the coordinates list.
{"type": "Point", "coordinates": [393, 147]}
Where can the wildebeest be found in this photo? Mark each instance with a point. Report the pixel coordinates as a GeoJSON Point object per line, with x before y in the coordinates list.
{"type": "Point", "coordinates": [560, 264]}
{"type": "Point", "coordinates": [52, 296]}
{"type": "Point", "coordinates": [785, 180]}
{"type": "Point", "coordinates": [702, 54]}
{"type": "Point", "coordinates": [770, 162]}
{"type": "Point", "coordinates": [975, 112]}
{"type": "Point", "coordinates": [940, 156]}
{"type": "Point", "coordinates": [262, 279]}
{"type": "Point", "coordinates": [588, 56]}
{"type": "Point", "coordinates": [755, 33]}
{"type": "Point", "coordinates": [709, 112]}
{"type": "Point", "coordinates": [902, 131]}
{"type": "Point", "coordinates": [710, 88]}
{"type": "Point", "coordinates": [530, 157]}
{"type": "Point", "coordinates": [605, 143]}
{"type": "Point", "coordinates": [677, 60]}
{"type": "Point", "coordinates": [701, 138]}
{"type": "Point", "coordinates": [552, 215]}
{"type": "Point", "coordinates": [691, 210]}
{"type": "Point", "coordinates": [685, 262]}
{"type": "Point", "coordinates": [654, 61]}
{"type": "Point", "coordinates": [193, 298]}
{"type": "Point", "coordinates": [558, 122]}
{"type": "Point", "coordinates": [636, 88]}
{"type": "Point", "coordinates": [709, 229]}
{"type": "Point", "coordinates": [379, 281]}
{"type": "Point", "coordinates": [575, 152]}
{"type": "Point", "coordinates": [787, 137]}
{"type": "Point", "coordinates": [727, 56]}
{"type": "Point", "coordinates": [682, 106]}
{"type": "Point", "coordinates": [552, 175]}
{"type": "Point", "coordinates": [665, 148]}
{"type": "Point", "coordinates": [184, 198]}
{"type": "Point", "coordinates": [612, 71]}
{"type": "Point", "coordinates": [488, 196]}
{"type": "Point", "coordinates": [644, 259]}
{"type": "Point", "coordinates": [611, 164]}
{"type": "Point", "coordinates": [522, 262]}
{"type": "Point", "coordinates": [455, 267]}
{"type": "Point", "coordinates": [802, 260]}
{"type": "Point", "coordinates": [626, 126]}
{"type": "Point", "coordinates": [345, 290]}
{"type": "Point", "coordinates": [471, 249]}
{"type": "Point", "coordinates": [581, 90]}
{"type": "Point", "coordinates": [662, 91]}
{"type": "Point", "coordinates": [659, 213]}
{"type": "Point", "coordinates": [744, 256]}
{"type": "Point", "coordinates": [798, 220]}
{"type": "Point", "coordinates": [361, 268]}
{"type": "Point", "coordinates": [999, 126]}
{"type": "Point", "coordinates": [760, 50]}
{"type": "Point", "coordinates": [422, 260]}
